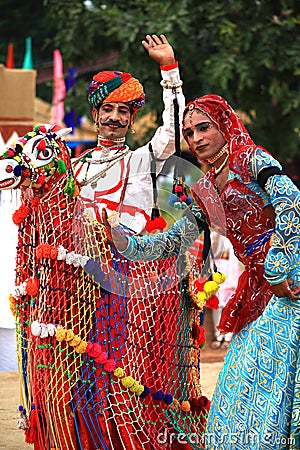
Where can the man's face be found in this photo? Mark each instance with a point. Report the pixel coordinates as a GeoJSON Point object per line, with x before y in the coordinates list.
{"type": "Point", "coordinates": [113, 120]}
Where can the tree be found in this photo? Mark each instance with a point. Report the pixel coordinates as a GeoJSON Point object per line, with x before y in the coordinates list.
{"type": "Point", "coordinates": [248, 51]}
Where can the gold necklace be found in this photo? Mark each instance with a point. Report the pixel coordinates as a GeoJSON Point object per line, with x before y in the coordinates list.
{"type": "Point", "coordinates": [218, 155]}
{"type": "Point", "coordinates": [222, 166]}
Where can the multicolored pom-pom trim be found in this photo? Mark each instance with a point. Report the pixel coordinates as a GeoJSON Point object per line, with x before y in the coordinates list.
{"type": "Point", "coordinates": [207, 289]}
{"type": "Point", "coordinates": [179, 198]}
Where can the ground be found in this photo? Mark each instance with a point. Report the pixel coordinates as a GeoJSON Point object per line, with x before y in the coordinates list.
{"type": "Point", "coordinates": [13, 439]}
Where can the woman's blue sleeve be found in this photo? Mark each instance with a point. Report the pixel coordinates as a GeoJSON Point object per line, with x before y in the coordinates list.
{"type": "Point", "coordinates": [175, 241]}
{"type": "Point", "coordinates": [284, 196]}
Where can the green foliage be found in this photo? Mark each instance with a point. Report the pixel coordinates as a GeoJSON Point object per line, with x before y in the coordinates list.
{"type": "Point", "coordinates": [244, 50]}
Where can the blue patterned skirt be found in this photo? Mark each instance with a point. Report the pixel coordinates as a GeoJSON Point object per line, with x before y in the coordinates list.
{"type": "Point", "coordinates": [256, 404]}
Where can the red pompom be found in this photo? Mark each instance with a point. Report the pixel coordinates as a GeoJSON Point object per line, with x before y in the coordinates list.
{"type": "Point", "coordinates": [20, 214]}
{"type": "Point", "coordinates": [157, 224]}
{"type": "Point", "coordinates": [178, 189]}
{"type": "Point", "coordinates": [32, 286]}
{"type": "Point", "coordinates": [201, 339]}
{"type": "Point", "coordinates": [198, 334]}
{"type": "Point", "coordinates": [212, 302]}
{"type": "Point", "coordinates": [42, 129]}
{"type": "Point", "coordinates": [31, 433]}
{"type": "Point", "coordinates": [199, 284]}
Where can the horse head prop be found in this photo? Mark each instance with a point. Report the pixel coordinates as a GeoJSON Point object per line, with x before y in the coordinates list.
{"type": "Point", "coordinates": [37, 160]}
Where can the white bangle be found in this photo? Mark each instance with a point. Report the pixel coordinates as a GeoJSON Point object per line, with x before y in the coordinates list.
{"type": "Point", "coordinates": [167, 85]}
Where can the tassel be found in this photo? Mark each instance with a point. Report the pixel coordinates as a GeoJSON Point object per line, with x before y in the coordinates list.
{"type": "Point", "coordinates": [157, 222]}
{"type": "Point", "coordinates": [69, 188]}
{"type": "Point", "coordinates": [179, 198]}
{"type": "Point", "coordinates": [61, 167]}
{"type": "Point", "coordinates": [31, 436]}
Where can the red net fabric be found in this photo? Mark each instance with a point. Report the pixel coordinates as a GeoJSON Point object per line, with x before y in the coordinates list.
{"type": "Point", "coordinates": [106, 350]}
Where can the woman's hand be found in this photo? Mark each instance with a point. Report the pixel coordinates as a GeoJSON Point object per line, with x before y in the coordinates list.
{"type": "Point", "coordinates": [284, 289]}
{"type": "Point", "coordinates": [119, 240]}
{"type": "Point", "coordinates": [159, 49]}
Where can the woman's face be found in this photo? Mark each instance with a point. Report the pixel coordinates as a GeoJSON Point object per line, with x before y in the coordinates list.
{"type": "Point", "coordinates": [202, 135]}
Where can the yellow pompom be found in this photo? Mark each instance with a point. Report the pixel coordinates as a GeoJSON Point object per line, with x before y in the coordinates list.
{"type": "Point", "coordinates": [119, 372]}
{"type": "Point", "coordinates": [185, 406]}
{"type": "Point", "coordinates": [127, 382]}
{"type": "Point", "coordinates": [200, 303]}
{"type": "Point", "coordinates": [210, 288]}
{"type": "Point", "coordinates": [75, 341]}
{"type": "Point", "coordinates": [219, 277]}
{"type": "Point", "coordinates": [140, 389]}
{"type": "Point", "coordinates": [61, 334]}
{"type": "Point", "coordinates": [202, 297]}
{"type": "Point", "coordinates": [69, 335]}
{"type": "Point", "coordinates": [81, 347]}
{"type": "Point", "coordinates": [134, 387]}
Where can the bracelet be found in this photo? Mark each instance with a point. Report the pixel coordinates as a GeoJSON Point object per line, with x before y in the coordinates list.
{"type": "Point", "coordinates": [167, 85]}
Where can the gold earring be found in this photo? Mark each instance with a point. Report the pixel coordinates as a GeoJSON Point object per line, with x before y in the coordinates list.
{"type": "Point", "coordinates": [132, 130]}
{"type": "Point", "coordinates": [96, 125]}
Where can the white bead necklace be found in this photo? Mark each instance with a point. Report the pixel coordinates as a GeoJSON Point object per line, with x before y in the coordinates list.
{"type": "Point", "coordinates": [105, 159]}
{"type": "Point", "coordinates": [102, 173]}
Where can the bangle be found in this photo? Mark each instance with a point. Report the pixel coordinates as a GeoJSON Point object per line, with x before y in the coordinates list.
{"type": "Point", "coordinates": [114, 219]}
{"type": "Point", "coordinates": [167, 85]}
{"type": "Point", "coordinates": [170, 66]}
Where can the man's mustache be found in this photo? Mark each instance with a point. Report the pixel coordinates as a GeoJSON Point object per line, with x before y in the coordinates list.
{"type": "Point", "coordinates": [113, 122]}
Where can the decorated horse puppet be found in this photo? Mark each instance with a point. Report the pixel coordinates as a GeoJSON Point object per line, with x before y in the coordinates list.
{"type": "Point", "coordinates": [108, 350]}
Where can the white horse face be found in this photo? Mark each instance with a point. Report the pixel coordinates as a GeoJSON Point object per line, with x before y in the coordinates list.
{"type": "Point", "coordinates": [39, 152]}
{"type": "Point", "coordinates": [33, 159]}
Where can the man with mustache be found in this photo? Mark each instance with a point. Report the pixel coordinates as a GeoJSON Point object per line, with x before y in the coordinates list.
{"type": "Point", "coordinates": [111, 175]}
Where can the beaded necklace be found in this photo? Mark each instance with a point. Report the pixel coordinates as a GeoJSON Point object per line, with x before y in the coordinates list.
{"type": "Point", "coordinates": [102, 173]}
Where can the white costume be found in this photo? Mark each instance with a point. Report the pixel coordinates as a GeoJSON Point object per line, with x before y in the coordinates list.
{"type": "Point", "coordinates": [105, 191]}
